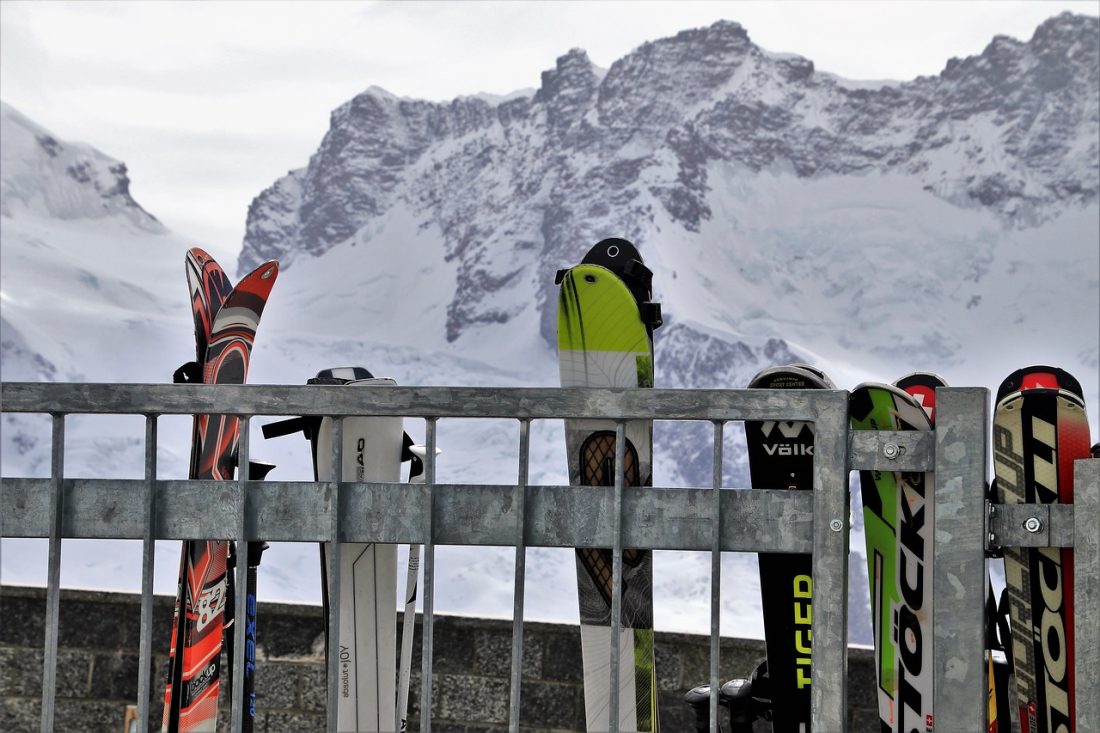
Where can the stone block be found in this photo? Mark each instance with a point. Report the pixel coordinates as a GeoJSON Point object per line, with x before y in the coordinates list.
{"type": "Point", "coordinates": [466, 697]}
{"type": "Point", "coordinates": [86, 622]}
{"type": "Point", "coordinates": [284, 722]}
{"type": "Point", "coordinates": [286, 635]}
{"type": "Point", "coordinates": [675, 713]}
{"type": "Point", "coordinates": [311, 687]}
{"type": "Point", "coordinates": [550, 705]}
{"type": "Point", "coordinates": [277, 686]}
{"type": "Point", "coordinates": [24, 617]}
{"type": "Point", "coordinates": [453, 647]}
{"type": "Point", "coordinates": [115, 676]}
{"type": "Point", "coordinates": [668, 667]}
{"type": "Point", "coordinates": [74, 670]}
{"type": "Point", "coordinates": [493, 654]}
{"type": "Point", "coordinates": [89, 716]}
{"type": "Point", "coordinates": [561, 657]}
{"type": "Point", "coordinates": [20, 713]}
{"type": "Point", "coordinates": [20, 672]}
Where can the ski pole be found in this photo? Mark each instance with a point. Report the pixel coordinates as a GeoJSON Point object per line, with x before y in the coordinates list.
{"type": "Point", "coordinates": [257, 471]}
{"type": "Point", "coordinates": [416, 476]}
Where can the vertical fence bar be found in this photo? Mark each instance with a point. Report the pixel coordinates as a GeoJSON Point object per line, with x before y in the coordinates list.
{"type": "Point", "coordinates": [240, 602]}
{"type": "Point", "coordinates": [521, 573]}
{"type": "Point", "coordinates": [148, 549]}
{"type": "Point", "coordinates": [53, 582]}
{"type": "Point", "coordinates": [429, 580]}
{"type": "Point", "coordinates": [333, 571]}
{"type": "Point", "coordinates": [617, 577]}
{"type": "Point", "coordinates": [959, 574]}
{"type": "Point", "coordinates": [1086, 591]}
{"type": "Point", "coordinates": [829, 626]}
{"type": "Point", "coordinates": [716, 575]}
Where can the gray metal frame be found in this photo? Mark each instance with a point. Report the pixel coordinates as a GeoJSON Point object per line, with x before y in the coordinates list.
{"type": "Point", "coordinates": [561, 516]}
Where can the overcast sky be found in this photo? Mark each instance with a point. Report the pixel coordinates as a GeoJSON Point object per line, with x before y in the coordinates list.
{"type": "Point", "coordinates": [208, 103]}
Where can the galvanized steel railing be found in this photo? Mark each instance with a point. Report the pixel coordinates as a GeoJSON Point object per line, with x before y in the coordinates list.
{"type": "Point", "coordinates": [523, 515]}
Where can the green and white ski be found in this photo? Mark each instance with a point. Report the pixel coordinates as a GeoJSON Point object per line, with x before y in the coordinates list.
{"type": "Point", "coordinates": [899, 525]}
{"type": "Point", "coordinates": [605, 323]}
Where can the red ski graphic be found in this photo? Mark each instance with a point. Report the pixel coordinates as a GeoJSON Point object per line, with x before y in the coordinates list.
{"type": "Point", "coordinates": [1039, 430]}
{"type": "Point", "coordinates": [191, 695]}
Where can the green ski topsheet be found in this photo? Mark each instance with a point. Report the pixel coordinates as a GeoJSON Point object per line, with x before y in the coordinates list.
{"type": "Point", "coordinates": [898, 522]}
{"type": "Point", "coordinates": [602, 342]}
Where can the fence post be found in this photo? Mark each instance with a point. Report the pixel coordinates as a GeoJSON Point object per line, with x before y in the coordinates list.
{"type": "Point", "coordinates": [829, 626]}
{"type": "Point", "coordinates": [1086, 591]}
{"type": "Point", "coordinates": [959, 573]}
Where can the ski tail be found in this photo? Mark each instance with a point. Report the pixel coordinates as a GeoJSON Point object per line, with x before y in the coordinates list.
{"type": "Point", "coordinates": [781, 457]}
{"type": "Point", "coordinates": [194, 701]}
{"type": "Point", "coordinates": [208, 287]}
{"type": "Point", "coordinates": [899, 524]}
{"type": "Point", "coordinates": [606, 321]}
{"type": "Point", "coordinates": [1039, 430]}
{"type": "Point", "coordinates": [373, 449]}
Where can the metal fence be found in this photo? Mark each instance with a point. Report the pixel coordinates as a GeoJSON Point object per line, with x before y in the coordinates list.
{"type": "Point", "coordinates": [523, 515]}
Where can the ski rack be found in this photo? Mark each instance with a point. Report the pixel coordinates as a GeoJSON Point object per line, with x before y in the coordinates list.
{"type": "Point", "coordinates": [523, 515]}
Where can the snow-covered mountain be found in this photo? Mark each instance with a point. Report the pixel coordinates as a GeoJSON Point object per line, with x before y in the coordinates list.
{"type": "Point", "coordinates": [949, 223]}
{"type": "Point", "coordinates": [937, 223]}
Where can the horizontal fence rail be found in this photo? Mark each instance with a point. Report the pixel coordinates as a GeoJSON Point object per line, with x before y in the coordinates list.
{"type": "Point", "coordinates": [524, 515]}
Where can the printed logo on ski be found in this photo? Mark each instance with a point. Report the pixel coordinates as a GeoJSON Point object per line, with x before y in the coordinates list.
{"type": "Point", "coordinates": [250, 634]}
{"type": "Point", "coordinates": [360, 459]}
{"type": "Point", "coordinates": [203, 679]}
{"type": "Point", "coordinates": [345, 672]}
{"type": "Point", "coordinates": [803, 634]}
{"type": "Point", "coordinates": [210, 605]}
{"type": "Point", "coordinates": [790, 431]}
{"type": "Point", "coordinates": [1051, 631]}
{"type": "Point", "coordinates": [907, 625]}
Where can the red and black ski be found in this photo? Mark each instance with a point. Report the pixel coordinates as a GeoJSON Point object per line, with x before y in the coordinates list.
{"type": "Point", "coordinates": [225, 329]}
{"type": "Point", "coordinates": [1039, 430]}
{"type": "Point", "coordinates": [208, 287]}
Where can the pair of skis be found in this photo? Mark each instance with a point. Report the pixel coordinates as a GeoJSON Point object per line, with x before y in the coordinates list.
{"type": "Point", "coordinates": [605, 339]}
{"type": "Point", "coordinates": [1039, 430]}
{"type": "Point", "coordinates": [226, 319]}
{"type": "Point", "coordinates": [373, 449]}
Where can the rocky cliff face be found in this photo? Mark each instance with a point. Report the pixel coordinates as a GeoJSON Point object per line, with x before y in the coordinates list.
{"type": "Point", "coordinates": [523, 186]}
{"type": "Point", "coordinates": [61, 179]}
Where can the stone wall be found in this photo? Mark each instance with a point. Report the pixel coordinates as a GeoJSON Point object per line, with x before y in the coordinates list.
{"type": "Point", "coordinates": [98, 660]}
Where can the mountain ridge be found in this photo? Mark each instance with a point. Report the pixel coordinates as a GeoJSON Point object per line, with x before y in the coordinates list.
{"type": "Point", "coordinates": [517, 189]}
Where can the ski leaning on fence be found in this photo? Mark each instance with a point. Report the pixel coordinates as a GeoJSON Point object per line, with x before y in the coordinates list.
{"type": "Point", "coordinates": [257, 471]}
{"type": "Point", "coordinates": [1039, 430]}
{"type": "Point", "coordinates": [605, 325]}
{"type": "Point", "coordinates": [921, 386]}
{"type": "Point", "coordinates": [373, 449]}
{"type": "Point", "coordinates": [225, 329]}
{"type": "Point", "coordinates": [899, 527]}
{"type": "Point", "coordinates": [781, 456]}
